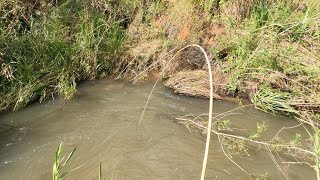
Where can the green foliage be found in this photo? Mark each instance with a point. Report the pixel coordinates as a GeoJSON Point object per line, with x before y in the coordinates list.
{"type": "Point", "coordinates": [261, 127]}
{"type": "Point", "coordinates": [260, 13]}
{"type": "Point", "coordinates": [277, 144]}
{"type": "Point", "coordinates": [236, 147]}
{"type": "Point", "coordinates": [278, 39]}
{"type": "Point", "coordinates": [297, 140]}
{"type": "Point", "coordinates": [155, 8]}
{"type": "Point", "coordinates": [262, 176]}
{"type": "Point", "coordinates": [46, 47]}
{"type": "Point", "coordinates": [274, 101]}
{"type": "Point", "coordinates": [100, 171]}
{"type": "Point", "coordinates": [222, 125]}
{"type": "Point", "coordinates": [59, 163]}
{"type": "Point", "coordinates": [209, 7]}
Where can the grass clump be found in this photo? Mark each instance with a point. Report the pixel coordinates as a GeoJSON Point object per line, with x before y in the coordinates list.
{"type": "Point", "coordinates": [48, 46]}
{"type": "Point", "coordinates": [275, 48]}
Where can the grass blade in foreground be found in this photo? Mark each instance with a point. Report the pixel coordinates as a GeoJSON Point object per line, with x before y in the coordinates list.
{"type": "Point", "coordinates": [58, 163]}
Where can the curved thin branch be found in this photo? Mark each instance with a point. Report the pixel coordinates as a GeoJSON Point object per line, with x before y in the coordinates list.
{"type": "Point", "coordinates": [205, 158]}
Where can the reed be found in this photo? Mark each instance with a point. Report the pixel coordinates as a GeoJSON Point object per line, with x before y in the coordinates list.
{"type": "Point", "coordinates": [59, 163]}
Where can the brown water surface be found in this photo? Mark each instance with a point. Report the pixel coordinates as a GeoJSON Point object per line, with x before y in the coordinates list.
{"type": "Point", "coordinates": [103, 123]}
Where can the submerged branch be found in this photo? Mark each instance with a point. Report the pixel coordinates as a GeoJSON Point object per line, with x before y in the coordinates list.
{"type": "Point", "coordinates": [288, 147]}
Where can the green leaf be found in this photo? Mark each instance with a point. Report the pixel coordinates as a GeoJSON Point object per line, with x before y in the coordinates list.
{"type": "Point", "coordinates": [70, 155]}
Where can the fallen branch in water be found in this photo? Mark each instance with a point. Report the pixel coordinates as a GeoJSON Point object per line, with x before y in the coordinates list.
{"type": "Point", "coordinates": [198, 123]}
{"type": "Point", "coordinates": [200, 126]}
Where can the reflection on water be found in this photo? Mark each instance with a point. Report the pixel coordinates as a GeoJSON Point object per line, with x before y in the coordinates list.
{"type": "Point", "coordinates": [102, 123]}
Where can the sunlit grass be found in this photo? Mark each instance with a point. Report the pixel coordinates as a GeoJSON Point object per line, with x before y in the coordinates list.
{"type": "Point", "coordinates": [47, 50]}
{"type": "Point", "coordinates": [60, 162]}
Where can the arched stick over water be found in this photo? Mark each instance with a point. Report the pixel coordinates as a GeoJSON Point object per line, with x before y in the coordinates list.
{"type": "Point", "coordinates": [205, 158]}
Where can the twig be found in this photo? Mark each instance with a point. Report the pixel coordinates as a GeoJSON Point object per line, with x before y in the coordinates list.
{"type": "Point", "coordinates": [298, 163]}
{"type": "Point", "coordinates": [275, 162]}
{"type": "Point", "coordinates": [285, 128]}
{"type": "Point", "coordinates": [232, 159]}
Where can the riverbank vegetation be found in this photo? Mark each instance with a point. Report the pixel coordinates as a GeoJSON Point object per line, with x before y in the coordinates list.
{"type": "Point", "coordinates": [265, 50]}
{"type": "Point", "coordinates": [48, 46]}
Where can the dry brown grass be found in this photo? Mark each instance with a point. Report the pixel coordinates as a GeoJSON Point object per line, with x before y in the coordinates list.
{"type": "Point", "coordinates": [237, 9]}
{"type": "Point", "coordinates": [152, 43]}
{"type": "Point", "coordinates": [180, 20]}
{"type": "Point", "coordinates": [196, 83]}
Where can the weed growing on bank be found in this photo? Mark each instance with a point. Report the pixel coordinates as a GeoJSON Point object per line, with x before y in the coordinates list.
{"type": "Point", "coordinates": [273, 54]}
{"type": "Point", "coordinates": [48, 46]}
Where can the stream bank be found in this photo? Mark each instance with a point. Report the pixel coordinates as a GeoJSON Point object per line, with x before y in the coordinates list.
{"type": "Point", "coordinates": [266, 50]}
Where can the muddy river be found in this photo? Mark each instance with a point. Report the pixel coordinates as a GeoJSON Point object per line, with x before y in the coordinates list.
{"type": "Point", "coordinates": [103, 123]}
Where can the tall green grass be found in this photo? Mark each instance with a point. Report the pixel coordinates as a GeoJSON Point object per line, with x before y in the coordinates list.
{"type": "Point", "coordinates": [276, 48]}
{"type": "Point", "coordinates": [48, 46]}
